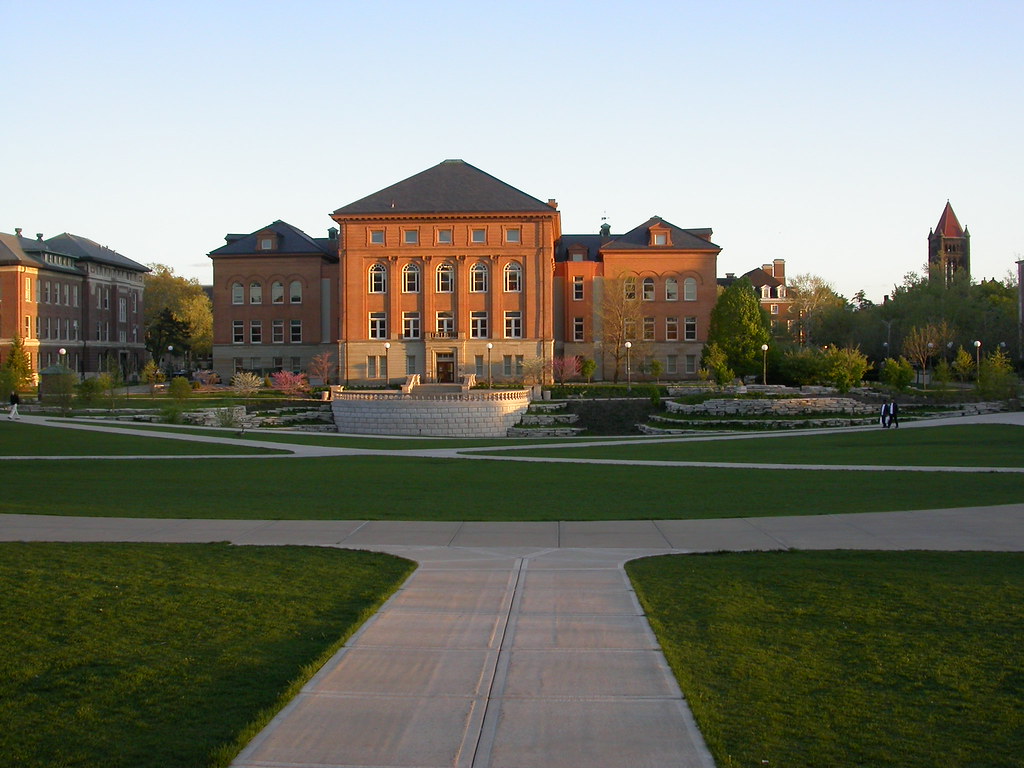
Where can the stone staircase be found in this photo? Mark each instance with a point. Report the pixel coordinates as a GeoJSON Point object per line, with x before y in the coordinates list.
{"type": "Point", "coordinates": [546, 420]}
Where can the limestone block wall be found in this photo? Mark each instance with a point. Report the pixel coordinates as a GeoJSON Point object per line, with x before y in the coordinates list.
{"type": "Point", "coordinates": [469, 415]}
{"type": "Point", "coordinates": [788, 406]}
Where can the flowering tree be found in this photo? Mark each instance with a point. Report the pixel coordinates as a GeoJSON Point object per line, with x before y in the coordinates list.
{"type": "Point", "coordinates": [563, 368]}
{"type": "Point", "coordinates": [321, 367]}
{"type": "Point", "coordinates": [246, 383]}
{"type": "Point", "coordinates": [290, 383]}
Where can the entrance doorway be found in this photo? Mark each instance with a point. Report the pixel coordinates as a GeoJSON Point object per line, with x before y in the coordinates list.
{"type": "Point", "coordinates": [445, 367]}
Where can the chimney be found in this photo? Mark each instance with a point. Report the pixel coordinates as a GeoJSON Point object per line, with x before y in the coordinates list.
{"type": "Point", "coordinates": [606, 233]}
{"type": "Point", "coordinates": [332, 233]}
{"type": "Point", "coordinates": [780, 270]}
{"type": "Point", "coordinates": [39, 236]}
{"type": "Point", "coordinates": [553, 203]}
{"type": "Point", "coordinates": [766, 268]}
{"type": "Point", "coordinates": [17, 231]}
{"type": "Point", "coordinates": [730, 275]}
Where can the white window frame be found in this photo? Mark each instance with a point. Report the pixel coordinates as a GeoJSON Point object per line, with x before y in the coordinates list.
{"type": "Point", "coordinates": [445, 278]}
{"type": "Point", "coordinates": [478, 325]}
{"type": "Point", "coordinates": [689, 289]}
{"type": "Point", "coordinates": [411, 281]}
{"type": "Point", "coordinates": [277, 292]}
{"type": "Point", "coordinates": [255, 292]}
{"type": "Point", "coordinates": [513, 325]}
{"type": "Point", "coordinates": [479, 278]}
{"type": "Point", "coordinates": [377, 278]}
{"type": "Point", "coordinates": [411, 325]}
{"type": "Point", "coordinates": [513, 277]}
{"type": "Point", "coordinates": [671, 289]}
{"type": "Point", "coordinates": [378, 325]}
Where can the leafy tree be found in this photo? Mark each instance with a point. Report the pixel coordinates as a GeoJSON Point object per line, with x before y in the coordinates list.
{"type": "Point", "coordinates": [716, 361]}
{"type": "Point", "coordinates": [106, 384]}
{"type": "Point", "coordinates": [845, 367]}
{"type": "Point", "coordinates": [898, 374]}
{"type": "Point", "coordinates": [167, 330]}
{"type": "Point", "coordinates": [655, 369]}
{"type": "Point", "coordinates": [62, 389]}
{"type": "Point", "coordinates": [803, 366]}
{"type": "Point", "coordinates": [996, 377]}
{"type": "Point", "coordinates": [739, 327]}
{"type": "Point", "coordinates": [943, 373]}
{"type": "Point", "coordinates": [587, 368]}
{"type": "Point", "coordinates": [537, 370]}
{"type": "Point", "coordinates": [187, 303]}
{"type": "Point", "coordinates": [621, 315]}
{"type": "Point", "coordinates": [963, 365]}
{"type": "Point", "coordinates": [179, 389]}
{"type": "Point", "coordinates": [813, 296]}
{"type": "Point", "coordinates": [19, 365]}
{"type": "Point", "coordinates": [563, 368]}
{"type": "Point", "coordinates": [920, 344]}
{"type": "Point", "coordinates": [152, 375]}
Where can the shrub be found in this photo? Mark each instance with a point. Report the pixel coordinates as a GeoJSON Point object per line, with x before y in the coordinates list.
{"type": "Point", "coordinates": [996, 378]}
{"type": "Point", "coordinates": [290, 383]}
{"type": "Point", "coordinates": [246, 383]}
{"type": "Point", "coordinates": [179, 389]}
{"type": "Point", "coordinates": [804, 366]}
{"type": "Point", "coordinates": [171, 414]}
{"type": "Point", "coordinates": [89, 391]}
{"type": "Point", "coordinates": [898, 374]}
{"type": "Point", "coordinates": [845, 367]}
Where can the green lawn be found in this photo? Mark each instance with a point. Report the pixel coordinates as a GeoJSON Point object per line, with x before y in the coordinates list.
{"type": "Point", "coordinates": [969, 445]}
{"type": "Point", "coordinates": [901, 660]}
{"type": "Point", "coordinates": [407, 488]}
{"type": "Point", "coordinates": [21, 439]}
{"type": "Point", "coordinates": [167, 656]}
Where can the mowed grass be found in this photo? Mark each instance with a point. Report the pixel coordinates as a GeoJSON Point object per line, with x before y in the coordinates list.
{"type": "Point", "coordinates": [406, 488]}
{"type": "Point", "coordinates": [167, 656]}
{"type": "Point", "coordinates": [21, 439]}
{"type": "Point", "coordinates": [901, 660]}
{"type": "Point", "coordinates": [968, 445]}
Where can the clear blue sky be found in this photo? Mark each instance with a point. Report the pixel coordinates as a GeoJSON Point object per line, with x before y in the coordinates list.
{"type": "Point", "coordinates": [829, 134]}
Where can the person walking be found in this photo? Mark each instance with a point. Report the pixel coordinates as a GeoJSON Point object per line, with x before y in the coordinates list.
{"type": "Point", "coordinates": [894, 415]}
{"type": "Point", "coordinates": [883, 419]}
{"type": "Point", "coordinates": [15, 401]}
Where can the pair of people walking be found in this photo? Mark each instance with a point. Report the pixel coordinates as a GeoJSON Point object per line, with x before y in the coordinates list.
{"type": "Point", "coordinates": [890, 415]}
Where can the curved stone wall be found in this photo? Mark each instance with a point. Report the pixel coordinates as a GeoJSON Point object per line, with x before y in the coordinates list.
{"type": "Point", "coordinates": [469, 414]}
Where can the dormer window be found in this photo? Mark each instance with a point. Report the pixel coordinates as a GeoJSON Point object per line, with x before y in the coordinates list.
{"type": "Point", "coordinates": [660, 235]}
{"type": "Point", "coordinates": [266, 241]}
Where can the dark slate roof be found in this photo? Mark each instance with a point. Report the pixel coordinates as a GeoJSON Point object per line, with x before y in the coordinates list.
{"type": "Point", "coordinates": [758, 278]}
{"type": "Point", "coordinates": [682, 239]}
{"type": "Point", "coordinates": [84, 249]}
{"type": "Point", "coordinates": [15, 249]}
{"type": "Point", "coordinates": [591, 242]}
{"type": "Point", "coordinates": [290, 241]}
{"type": "Point", "coordinates": [450, 187]}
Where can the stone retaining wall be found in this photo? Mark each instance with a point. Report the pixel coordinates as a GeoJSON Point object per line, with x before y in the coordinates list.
{"type": "Point", "coordinates": [471, 415]}
{"type": "Point", "coordinates": [789, 406]}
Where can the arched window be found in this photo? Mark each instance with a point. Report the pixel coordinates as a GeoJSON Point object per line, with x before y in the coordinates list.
{"type": "Point", "coordinates": [378, 278]}
{"type": "Point", "coordinates": [478, 278]}
{"type": "Point", "coordinates": [237, 293]}
{"type": "Point", "coordinates": [648, 287]}
{"type": "Point", "coordinates": [445, 278]}
{"type": "Point", "coordinates": [255, 293]}
{"type": "Point", "coordinates": [513, 277]}
{"type": "Point", "coordinates": [410, 279]}
{"type": "Point", "coordinates": [671, 289]}
{"type": "Point", "coordinates": [277, 292]}
{"type": "Point", "coordinates": [629, 289]}
{"type": "Point", "coordinates": [689, 289]}
{"type": "Point", "coordinates": [295, 291]}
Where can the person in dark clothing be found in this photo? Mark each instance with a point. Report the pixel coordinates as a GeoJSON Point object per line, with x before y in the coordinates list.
{"type": "Point", "coordinates": [883, 419]}
{"type": "Point", "coordinates": [15, 401]}
{"type": "Point", "coordinates": [894, 414]}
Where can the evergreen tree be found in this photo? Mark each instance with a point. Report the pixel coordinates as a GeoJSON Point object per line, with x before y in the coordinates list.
{"type": "Point", "coordinates": [739, 327]}
{"type": "Point", "coordinates": [19, 365]}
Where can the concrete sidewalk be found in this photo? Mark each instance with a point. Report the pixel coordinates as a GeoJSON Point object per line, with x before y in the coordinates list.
{"type": "Point", "coordinates": [515, 645]}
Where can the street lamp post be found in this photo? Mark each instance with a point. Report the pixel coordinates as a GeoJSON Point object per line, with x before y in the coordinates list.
{"type": "Point", "coordinates": [924, 373]}
{"type": "Point", "coordinates": [490, 346]}
{"type": "Point", "coordinates": [387, 369]}
{"type": "Point", "coordinates": [764, 364]}
{"type": "Point", "coordinates": [170, 361]}
{"type": "Point", "coordinates": [977, 357]}
{"type": "Point", "coordinates": [629, 381]}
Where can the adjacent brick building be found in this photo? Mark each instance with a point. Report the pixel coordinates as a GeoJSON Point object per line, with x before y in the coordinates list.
{"type": "Point", "coordinates": [68, 292]}
{"type": "Point", "coordinates": [452, 272]}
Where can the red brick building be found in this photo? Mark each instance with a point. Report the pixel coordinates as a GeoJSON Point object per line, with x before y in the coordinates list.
{"type": "Point", "coordinates": [68, 292]}
{"type": "Point", "coordinates": [452, 272]}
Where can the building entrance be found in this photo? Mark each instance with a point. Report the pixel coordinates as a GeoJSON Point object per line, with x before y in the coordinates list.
{"type": "Point", "coordinates": [445, 367]}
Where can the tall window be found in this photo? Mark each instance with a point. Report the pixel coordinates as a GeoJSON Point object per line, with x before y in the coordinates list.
{"type": "Point", "coordinates": [671, 289]}
{"type": "Point", "coordinates": [648, 329]}
{"type": "Point", "coordinates": [577, 329]}
{"type": "Point", "coordinates": [410, 279]}
{"type": "Point", "coordinates": [689, 289]}
{"type": "Point", "coordinates": [513, 325]}
{"type": "Point", "coordinates": [295, 291]}
{"type": "Point", "coordinates": [690, 329]}
{"type": "Point", "coordinates": [445, 324]}
{"type": "Point", "coordinates": [378, 278]}
{"type": "Point", "coordinates": [629, 328]}
{"type": "Point", "coordinates": [277, 292]}
{"type": "Point", "coordinates": [513, 277]}
{"type": "Point", "coordinates": [445, 278]}
{"type": "Point", "coordinates": [411, 325]}
{"type": "Point", "coordinates": [255, 293]}
{"type": "Point", "coordinates": [378, 325]}
{"type": "Point", "coordinates": [672, 364]}
{"type": "Point", "coordinates": [629, 288]}
{"type": "Point", "coordinates": [577, 288]}
{"type": "Point", "coordinates": [478, 278]}
{"type": "Point", "coordinates": [671, 329]}
{"type": "Point", "coordinates": [296, 332]}
{"type": "Point", "coordinates": [277, 332]}
{"type": "Point", "coordinates": [648, 287]}
{"type": "Point", "coordinates": [478, 325]}
{"type": "Point", "coordinates": [122, 309]}
{"type": "Point", "coordinates": [237, 332]}
{"type": "Point", "coordinates": [237, 294]}
{"type": "Point", "coordinates": [256, 332]}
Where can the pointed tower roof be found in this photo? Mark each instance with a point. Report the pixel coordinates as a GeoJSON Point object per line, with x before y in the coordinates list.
{"type": "Point", "coordinates": [948, 225]}
{"type": "Point", "coordinates": [451, 186]}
